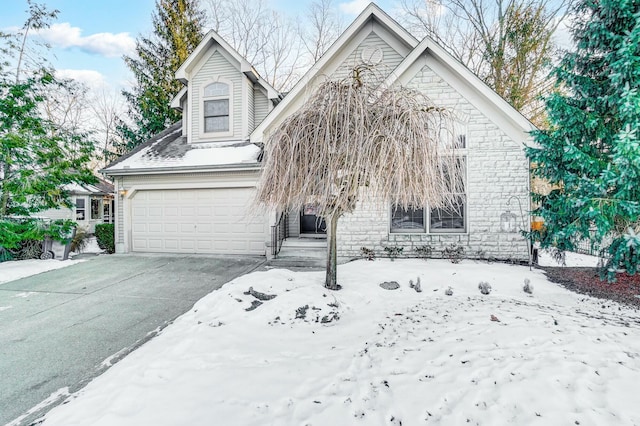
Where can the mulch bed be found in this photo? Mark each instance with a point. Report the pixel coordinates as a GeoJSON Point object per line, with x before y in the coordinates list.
{"type": "Point", "coordinates": [625, 290]}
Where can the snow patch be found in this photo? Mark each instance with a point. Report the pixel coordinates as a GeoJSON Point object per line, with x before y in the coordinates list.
{"type": "Point", "coordinates": [16, 269]}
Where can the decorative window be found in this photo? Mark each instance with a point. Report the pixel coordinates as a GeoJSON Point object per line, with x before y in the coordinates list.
{"type": "Point", "coordinates": [80, 209]}
{"type": "Point", "coordinates": [407, 220]}
{"type": "Point", "coordinates": [96, 207]}
{"type": "Point", "coordinates": [216, 106]}
{"type": "Point", "coordinates": [434, 220]}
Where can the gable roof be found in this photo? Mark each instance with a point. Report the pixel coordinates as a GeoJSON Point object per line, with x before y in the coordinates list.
{"type": "Point", "coordinates": [434, 49]}
{"type": "Point", "coordinates": [102, 187]}
{"type": "Point", "coordinates": [517, 122]}
{"type": "Point", "coordinates": [211, 39]}
{"type": "Point", "coordinates": [371, 13]}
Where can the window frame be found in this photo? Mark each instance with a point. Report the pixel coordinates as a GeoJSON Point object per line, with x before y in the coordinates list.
{"type": "Point", "coordinates": [426, 229]}
{"type": "Point", "coordinates": [82, 209]}
{"type": "Point", "coordinates": [204, 99]}
{"type": "Point", "coordinates": [99, 208]}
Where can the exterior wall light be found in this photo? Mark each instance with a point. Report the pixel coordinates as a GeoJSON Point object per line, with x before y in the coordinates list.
{"type": "Point", "coordinates": [508, 222]}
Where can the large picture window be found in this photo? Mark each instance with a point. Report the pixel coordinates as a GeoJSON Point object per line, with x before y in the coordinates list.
{"type": "Point", "coordinates": [422, 220]}
{"type": "Point", "coordinates": [216, 105]}
{"type": "Point", "coordinates": [435, 220]}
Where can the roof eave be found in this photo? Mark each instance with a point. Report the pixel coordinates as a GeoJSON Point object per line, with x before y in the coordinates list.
{"type": "Point", "coordinates": [184, 169]}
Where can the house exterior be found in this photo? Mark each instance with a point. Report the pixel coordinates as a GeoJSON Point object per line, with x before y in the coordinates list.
{"type": "Point", "coordinates": [93, 204]}
{"type": "Point", "coordinates": [190, 188]}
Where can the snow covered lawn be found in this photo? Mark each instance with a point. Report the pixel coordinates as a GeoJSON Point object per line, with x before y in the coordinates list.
{"type": "Point", "coordinates": [369, 356]}
{"type": "Point", "coordinates": [14, 270]}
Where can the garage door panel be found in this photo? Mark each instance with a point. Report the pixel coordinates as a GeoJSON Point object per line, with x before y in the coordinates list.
{"type": "Point", "coordinates": [217, 221]}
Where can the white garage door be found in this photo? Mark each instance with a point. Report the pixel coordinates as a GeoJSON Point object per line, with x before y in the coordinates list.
{"type": "Point", "coordinates": [217, 221]}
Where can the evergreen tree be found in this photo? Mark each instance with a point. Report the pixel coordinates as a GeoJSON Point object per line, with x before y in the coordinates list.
{"type": "Point", "coordinates": [591, 152]}
{"type": "Point", "coordinates": [177, 31]}
{"type": "Point", "coordinates": [37, 157]}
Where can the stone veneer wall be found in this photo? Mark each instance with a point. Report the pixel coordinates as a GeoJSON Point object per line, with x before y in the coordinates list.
{"type": "Point", "coordinates": [496, 169]}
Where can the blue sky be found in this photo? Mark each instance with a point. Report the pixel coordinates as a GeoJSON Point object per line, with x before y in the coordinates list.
{"type": "Point", "coordinates": [90, 36]}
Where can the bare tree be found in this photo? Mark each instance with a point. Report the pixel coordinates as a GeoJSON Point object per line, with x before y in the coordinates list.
{"type": "Point", "coordinates": [66, 106]}
{"type": "Point", "coordinates": [355, 133]}
{"type": "Point", "coordinates": [320, 29]}
{"type": "Point", "coordinates": [266, 38]}
{"type": "Point", "coordinates": [106, 107]}
{"type": "Point", "coordinates": [507, 43]}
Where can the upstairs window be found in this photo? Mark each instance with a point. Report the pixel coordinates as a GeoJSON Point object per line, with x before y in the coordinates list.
{"type": "Point", "coordinates": [216, 98]}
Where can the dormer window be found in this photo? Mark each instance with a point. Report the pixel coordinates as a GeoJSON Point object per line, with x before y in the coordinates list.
{"type": "Point", "coordinates": [216, 98]}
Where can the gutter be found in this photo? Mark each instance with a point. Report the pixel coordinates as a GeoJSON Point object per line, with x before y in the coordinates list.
{"type": "Point", "coordinates": [182, 169]}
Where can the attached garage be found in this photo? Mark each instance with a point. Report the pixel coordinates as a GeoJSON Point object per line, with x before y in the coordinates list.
{"type": "Point", "coordinates": [210, 220]}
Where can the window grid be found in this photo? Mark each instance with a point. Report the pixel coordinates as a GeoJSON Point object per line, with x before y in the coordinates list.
{"type": "Point", "coordinates": [434, 220]}
{"type": "Point", "coordinates": [216, 107]}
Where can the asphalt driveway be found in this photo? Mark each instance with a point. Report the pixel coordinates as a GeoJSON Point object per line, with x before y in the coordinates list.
{"type": "Point", "coordinates": [61, 328]}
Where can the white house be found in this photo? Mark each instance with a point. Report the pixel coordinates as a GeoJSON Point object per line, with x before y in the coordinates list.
{"type": "Point", "coordinates": [189, 189]}
{"type": "Point", "coordinates": [92, 204]}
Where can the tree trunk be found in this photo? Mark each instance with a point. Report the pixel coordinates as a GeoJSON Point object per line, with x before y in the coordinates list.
{"type": "Point", "coordinates": [331, 281]}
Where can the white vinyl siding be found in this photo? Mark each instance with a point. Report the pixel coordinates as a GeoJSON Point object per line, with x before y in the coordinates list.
{"type": "Point", "coordinates": [216, 66]}
{"type": "Point", "coordinates": [261, 105]}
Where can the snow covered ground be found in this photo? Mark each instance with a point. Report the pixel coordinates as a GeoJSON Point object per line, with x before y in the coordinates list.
{"type": "Point", "coordinates": [370, 356]}
{"type": "Point", "coordinates": [571, 260]}
{"type": "Point", "coordinates": [14, 270]}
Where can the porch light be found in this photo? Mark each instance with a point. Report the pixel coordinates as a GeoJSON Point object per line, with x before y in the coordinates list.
{"type": "Point", "coordinates": [508, 222]}
{"type": "Point", "coordinates": [122, 192]}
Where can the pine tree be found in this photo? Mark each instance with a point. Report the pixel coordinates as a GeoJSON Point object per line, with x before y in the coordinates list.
{"type": "Point", "coordinates": [591, 152]}
{"type": "Point", "coordinates": [177, 31]}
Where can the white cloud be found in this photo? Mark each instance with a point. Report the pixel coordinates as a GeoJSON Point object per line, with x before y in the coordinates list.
{"type": "Point", "coordinates": [64, 36]}
{"type": "Point", "coordinates": [354, 7]}
{"type": "Point", "coordinates": [93, 79]}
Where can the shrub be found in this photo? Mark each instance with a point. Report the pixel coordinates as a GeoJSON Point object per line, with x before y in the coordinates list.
{"type": "Point", "coordinates": [368, 253]}
{"type": "Point", "coordinates": [454, 253]}
{"type": "Point", "coordinates": [21, 238]}
{"type": "Point", "coordinates": [105, 237]}
{"type": "Point", "coordinates": [80, 240]}
{"type": "Point", "coordinates": [424, 252]}
{"type": "Point", "coordinates": [393, 252]}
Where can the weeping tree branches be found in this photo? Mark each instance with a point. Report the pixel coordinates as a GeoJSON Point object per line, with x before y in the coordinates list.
{"type": "Point", "coordinates": [355, 133]}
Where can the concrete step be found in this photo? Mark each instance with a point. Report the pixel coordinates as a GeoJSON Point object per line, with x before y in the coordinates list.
{"type": "Point", "coordinates": [297, 262]}
{"type": "Point", "coordinates": [310, 252]}
{"type": "Point", "coordinates": [307, 243]}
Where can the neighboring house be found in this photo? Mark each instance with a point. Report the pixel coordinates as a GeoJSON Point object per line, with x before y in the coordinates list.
{"type": "Point", "coordinates": [93, 204]}
{"type": "Point", "coordinates": [189, 189]}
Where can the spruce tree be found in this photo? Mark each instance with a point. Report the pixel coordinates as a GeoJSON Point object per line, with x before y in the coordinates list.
{"type": "Point", "coordinates": [177, 30]}
{"type": "Point", "coordinates": [591, 152]}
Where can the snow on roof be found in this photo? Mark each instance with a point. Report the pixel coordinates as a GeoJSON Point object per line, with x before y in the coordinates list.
{"type": "Point", "coordinates": [171, 150]}
{"type": "Point", "coordinates": [76, 188]}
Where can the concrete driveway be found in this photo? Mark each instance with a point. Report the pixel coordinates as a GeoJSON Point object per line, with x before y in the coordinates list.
{"type": "Point", "coordinates": [61, 328]}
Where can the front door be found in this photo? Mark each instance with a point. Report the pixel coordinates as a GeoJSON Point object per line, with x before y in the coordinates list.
{"type": "Point", "coordinates": [310, 222]}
